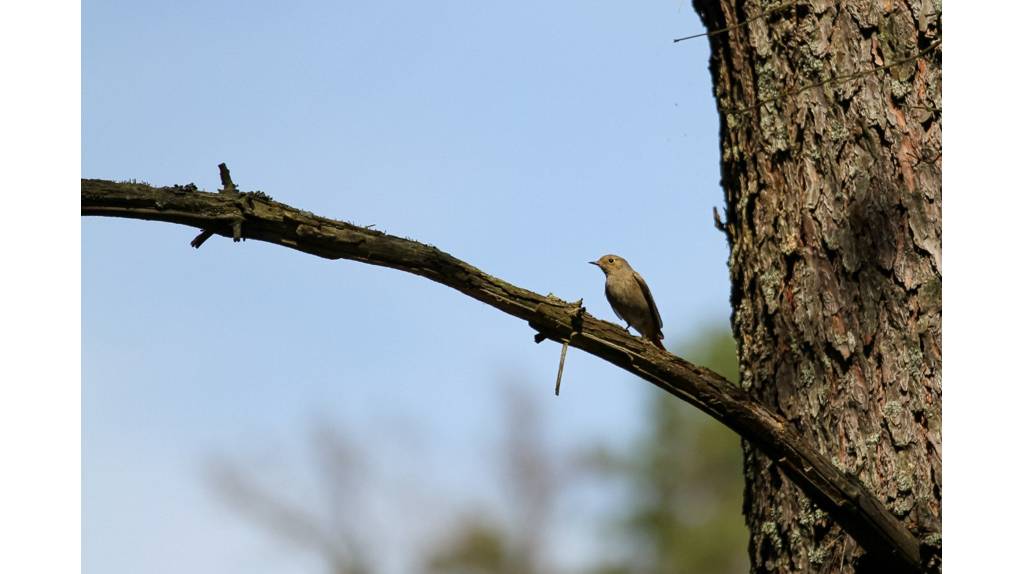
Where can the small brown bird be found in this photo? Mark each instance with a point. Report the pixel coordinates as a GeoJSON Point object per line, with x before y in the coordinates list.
{"type": "Point", "coordinates": [630, 297]}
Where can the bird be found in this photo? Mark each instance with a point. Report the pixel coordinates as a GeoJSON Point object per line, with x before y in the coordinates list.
{"type": "Point", "coordinates": [631, 298]}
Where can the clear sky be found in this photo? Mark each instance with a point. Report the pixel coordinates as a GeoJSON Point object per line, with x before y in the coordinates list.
{"type": "Point", "coordinates": [526, 138]}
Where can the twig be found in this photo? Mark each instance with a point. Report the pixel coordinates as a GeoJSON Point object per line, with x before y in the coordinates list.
{"type": "Point", "coordinates": [231, 189]}
{"type": "Point", "coordinates": [200, 239]}
{"type": "Point", "coordinates": [225, 179]}
{"type": "Point", "coordinates": [842, 555]}
{"type": "Point", "coordinates": [561, 365]}
{"type": "Point", "coordinates": [577, 327]}
{"type": "Point", "coordinates": [738, 24]}
{"type": "Point", "coordinates": [719, 225]}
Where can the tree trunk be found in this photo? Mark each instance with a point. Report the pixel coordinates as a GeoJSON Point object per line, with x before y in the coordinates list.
{"type": "Point", "coordinates": [831, 141]}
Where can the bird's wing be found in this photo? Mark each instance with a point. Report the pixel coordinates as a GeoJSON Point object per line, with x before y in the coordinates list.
{"type": "Point", "coordinates": [608, 295]}
{"type": "Point", "coordinates": [647, 295]}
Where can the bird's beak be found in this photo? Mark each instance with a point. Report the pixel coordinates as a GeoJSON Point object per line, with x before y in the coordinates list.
{"type": "Point", "coordinates": [594, 263]}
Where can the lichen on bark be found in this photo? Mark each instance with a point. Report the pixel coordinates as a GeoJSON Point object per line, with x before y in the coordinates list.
{"type": "Point", "coordinates": [833, 197]}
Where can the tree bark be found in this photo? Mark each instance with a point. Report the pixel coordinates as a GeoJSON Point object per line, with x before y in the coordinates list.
{"type": "Point", "coordinates": [256, 216]}
{"type": "Point", "coordinates": [831, 141]}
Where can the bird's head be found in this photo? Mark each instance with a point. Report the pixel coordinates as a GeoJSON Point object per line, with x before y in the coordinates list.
{"type": "Point", "coordinates": [611, 263]}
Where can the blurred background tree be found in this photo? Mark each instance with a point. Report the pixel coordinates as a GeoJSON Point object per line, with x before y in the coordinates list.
{"type": "Point", "coordinates": [332, 527]}
{"type": "Point", "coordinates": [685, 479]}
{"type": "Point", "coordinates": [682, 476]}
{"type": "Point", "coordinates": [533, 477]}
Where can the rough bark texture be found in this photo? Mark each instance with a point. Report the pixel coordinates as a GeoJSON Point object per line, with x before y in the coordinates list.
{"type": "Point", "coordinates": [255, 216]}
{"type": "Point", "coordinates": [833, 199]}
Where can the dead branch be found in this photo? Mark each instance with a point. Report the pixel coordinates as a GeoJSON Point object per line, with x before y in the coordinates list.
{"type": "Point", "coordinates": [256, 216]}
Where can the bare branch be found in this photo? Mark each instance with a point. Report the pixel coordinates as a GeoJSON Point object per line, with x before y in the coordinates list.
{"type": "Point", "coordinates": [255, 216]}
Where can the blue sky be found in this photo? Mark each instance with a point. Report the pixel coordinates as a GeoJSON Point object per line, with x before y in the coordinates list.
{"type": "Point", "coordinates": [526, 138]}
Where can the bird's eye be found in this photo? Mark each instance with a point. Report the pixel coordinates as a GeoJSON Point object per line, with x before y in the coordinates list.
{"type": "Point", "coordinates": [611, 260]}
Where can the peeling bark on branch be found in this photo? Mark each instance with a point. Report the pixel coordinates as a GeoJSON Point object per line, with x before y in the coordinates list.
{"type": "Point", "coordinates": [842, 496]}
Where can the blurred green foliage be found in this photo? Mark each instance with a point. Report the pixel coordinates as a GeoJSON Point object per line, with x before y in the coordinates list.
{"type": "Point", "coordinates": [685, 477]}
{"type": "Point", "coordinates": [682, 477]}
{"type": "Point", "coordinates": [479, 547]}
